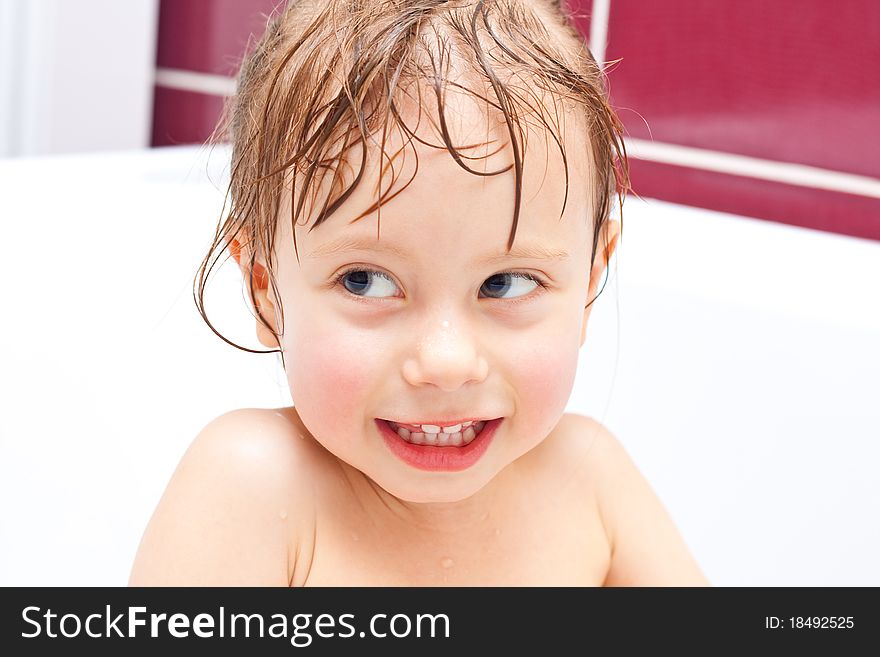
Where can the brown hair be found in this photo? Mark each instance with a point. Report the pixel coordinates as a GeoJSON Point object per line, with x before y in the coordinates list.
{"type": "Point", "coordinates": [325, 78]}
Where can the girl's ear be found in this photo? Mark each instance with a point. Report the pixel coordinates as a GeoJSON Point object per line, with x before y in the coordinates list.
{"type": "Point", "coordinates": [612, 232]}
{"type": "Point", "coordinates": [261, 294]}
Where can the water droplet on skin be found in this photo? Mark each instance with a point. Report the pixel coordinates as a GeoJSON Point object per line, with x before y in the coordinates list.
{"type": "Point", "coordinates": [445, 323]}
{"type": "Point", "coordinates": [282, 514]}
{"type": "Point", "coordinates": [446, 562]}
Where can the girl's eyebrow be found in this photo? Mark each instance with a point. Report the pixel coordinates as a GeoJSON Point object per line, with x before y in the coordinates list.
{"type": "Point", "coordinates": [529, 252]}
{"type": "Point", "coordinates": [521, 251]}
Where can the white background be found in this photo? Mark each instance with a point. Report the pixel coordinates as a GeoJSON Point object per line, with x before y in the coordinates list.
{"type": "Point", "coordinates": [736, 359]}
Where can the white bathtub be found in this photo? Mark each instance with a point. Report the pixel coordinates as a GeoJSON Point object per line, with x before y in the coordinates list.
{"type": "Point", "coordinates": [737, 360]}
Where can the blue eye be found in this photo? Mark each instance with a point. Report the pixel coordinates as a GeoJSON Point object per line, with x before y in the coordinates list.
{"type": "Point", "coordinates": [501, 283]}
{"type": "Point", "coordinates": [358, 280]}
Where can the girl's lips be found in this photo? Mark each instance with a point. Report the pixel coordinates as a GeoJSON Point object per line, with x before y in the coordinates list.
{"type": "Point", "coordinates": [434, 458]}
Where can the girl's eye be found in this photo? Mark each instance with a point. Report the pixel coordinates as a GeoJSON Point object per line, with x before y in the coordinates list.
{"type": "Point", "coordinates": [357, 281]}
{"type": "Point", "coordinates": [503, 282]}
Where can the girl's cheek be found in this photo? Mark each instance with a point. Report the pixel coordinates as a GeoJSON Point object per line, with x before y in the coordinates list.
{"type": "Point", "coordinates": [332, 371]}
{"type": "Point", "coordinates": [545, 377]}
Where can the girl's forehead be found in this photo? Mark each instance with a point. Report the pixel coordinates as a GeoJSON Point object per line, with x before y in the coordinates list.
{"type": "Point", "coordinates": [449, 214]}
{"type": "Point", "coordinates": [426, 187]}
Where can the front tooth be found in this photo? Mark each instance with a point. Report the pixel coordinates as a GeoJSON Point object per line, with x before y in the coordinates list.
{"type": "Point", "coordinates": [430, 438]}
{"type": "Point", "coordinates": [455, 439]}
{"type": "Point", "coordinates": [468, 435]}
{"type": "Point", "coordinates": [430, 428]}
{"type": "Point", "coordinates": [443, 439]}
{"type": "Point", "coordinates": [454, 429]}
{"type": "Point", "coordinates": [417, 438]}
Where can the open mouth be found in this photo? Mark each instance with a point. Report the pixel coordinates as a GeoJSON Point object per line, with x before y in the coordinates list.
{"type": "Point", "coordinates": [436, 449]}
{"type": "Point", "coordinates": [457, 436]}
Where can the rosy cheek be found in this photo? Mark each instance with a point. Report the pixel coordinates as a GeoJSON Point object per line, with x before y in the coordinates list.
{"type": "Point", "coordinates": [545, 377]}
{"type": "Point", "coordinates": [331, 373]}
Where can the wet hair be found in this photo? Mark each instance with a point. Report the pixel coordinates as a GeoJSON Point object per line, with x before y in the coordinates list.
{"type": "Point", "coordinates": [327, 76]}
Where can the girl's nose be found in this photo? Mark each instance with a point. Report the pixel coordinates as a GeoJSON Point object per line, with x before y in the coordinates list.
{"type": "Point", "coordinates": [446, 357]}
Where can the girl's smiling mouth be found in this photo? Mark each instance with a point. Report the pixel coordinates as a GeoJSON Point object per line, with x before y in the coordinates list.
{"type": "Point", "coordinates": [436, 449]}
{"type": "Point", "coordinates": [457, 435]}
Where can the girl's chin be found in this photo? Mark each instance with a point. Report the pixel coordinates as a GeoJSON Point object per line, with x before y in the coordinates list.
{"type": "Point", "coordinates": [448, 489]}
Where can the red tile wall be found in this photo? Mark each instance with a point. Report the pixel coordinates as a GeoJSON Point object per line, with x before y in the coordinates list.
{"type": "Point", "coordinates": [809, 207]}
{"type": "Point", "coordinates": [780, 81]}
{"type": "Point", "coordinates": [209, 36]}
{"type": "Point", "coordinates": [203, 36]}
{"type": "Point", "coordinates": [183, 117]}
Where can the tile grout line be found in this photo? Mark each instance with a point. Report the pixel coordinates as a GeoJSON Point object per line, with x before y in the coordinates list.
{"type": "Point", "coordinates": [203, 83]}
{"type": "Point", "coordinates": [801, 175]}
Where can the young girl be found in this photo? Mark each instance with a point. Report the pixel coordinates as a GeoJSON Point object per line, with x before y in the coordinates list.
{"type": "Point", "coordinates": [402, 214]}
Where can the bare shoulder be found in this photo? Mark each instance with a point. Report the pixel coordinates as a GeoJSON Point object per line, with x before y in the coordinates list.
{"type": "Point", "coordinates": [234, 507]}
{"type": "Point", "coordinates": [646, 547]}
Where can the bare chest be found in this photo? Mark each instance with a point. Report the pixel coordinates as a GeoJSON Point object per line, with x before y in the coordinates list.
{"type": "Point", "coordinates": [558, 544]}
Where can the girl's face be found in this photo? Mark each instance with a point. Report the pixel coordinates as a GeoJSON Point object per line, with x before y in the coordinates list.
{"type": "Point", "coordinates": [434, 321]}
